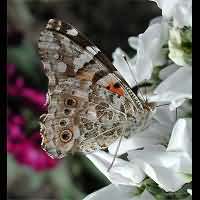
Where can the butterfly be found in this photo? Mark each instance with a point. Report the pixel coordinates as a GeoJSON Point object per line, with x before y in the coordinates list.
{"type": "Point", "coordinates": [90, 105]}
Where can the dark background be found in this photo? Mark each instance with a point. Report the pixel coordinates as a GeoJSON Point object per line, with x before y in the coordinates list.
{"type": "Point", "coordinates": [108, 23]}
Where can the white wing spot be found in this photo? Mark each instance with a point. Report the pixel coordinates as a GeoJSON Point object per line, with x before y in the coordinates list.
{"type": "Point", "coordinates": [80, 61]}
{"type": "Point", "coordinates": [72, 32]}
{"type": "Point", "coordinates": [46, 36]}
{"type": "Point", "coordinates": [93, 50]}
{"type": "Point", "coordinates": [96, 49]}
{"type": "Point", "coordinates": [56, 55]}
{"type": "Point", "coordinates": [48, 45]}
{"type": "Point", "coordinates": [61, 67]}
{"type": "Point", "coordinates": [46, 65]}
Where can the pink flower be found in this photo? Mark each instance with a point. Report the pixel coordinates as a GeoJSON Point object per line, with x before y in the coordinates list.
{"type": "Point", "coordinates": [34, 96]}
{"type": "Point", "coordinates": [15, 132]}
{"type": "Point", "coordinates": [30, 153]}
{"type": "Point", "coordinates": [27, 150]}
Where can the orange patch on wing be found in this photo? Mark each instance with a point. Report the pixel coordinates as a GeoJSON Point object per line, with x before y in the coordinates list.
{"type": "Point", "coordinates": [118, 90]}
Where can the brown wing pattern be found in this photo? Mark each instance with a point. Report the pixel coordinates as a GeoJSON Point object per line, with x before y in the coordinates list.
{"type": "Point", "coordinates": [83, 114]}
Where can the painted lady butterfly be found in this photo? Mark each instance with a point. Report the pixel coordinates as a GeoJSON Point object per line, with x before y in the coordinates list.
{"type": "Point", "coordinates": [89, 104]}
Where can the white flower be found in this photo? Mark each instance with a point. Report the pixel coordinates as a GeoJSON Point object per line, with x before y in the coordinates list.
{"type": "Point", "coordinates": [150, 53]}
{"type": "Point", "coordinates": [157, 20]}
{"type": "Point", "coordinates": [169, 167]}
{"type": "Point", "coordinates": [179, 10]}
{"type": "Point", "coordinates": [119, 192]}
{"type": "Point", "coordinates": [150, 49]}
{"type": "Point", "coordinates": [167, 71]}
{"type": "Point", "coordinates": [122, 172]}
{"type": "Point", "coordinates": [181, 139]}
{"type": "Point", "coordinates": [189, 191]}
{"type": "Point", "coordinates": [122, 67]}
{"type": "Point", "coordinates": [175, 89]}
{"type": "Point", "coordinates": [180, 46]}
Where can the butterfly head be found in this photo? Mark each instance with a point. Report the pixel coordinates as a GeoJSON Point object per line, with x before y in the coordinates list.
{"type": "Point", "coordinates": [149, 106]}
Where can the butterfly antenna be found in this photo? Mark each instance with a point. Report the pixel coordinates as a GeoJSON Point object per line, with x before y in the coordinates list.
{"type": "Point", "coordinates": [167, 104]}
{"type": "Point", "coordinates": [145, 89]}
{"type": "Point", "coordinates": [134, 77]}
{"type": "Point", "coordinates": [115, 155]}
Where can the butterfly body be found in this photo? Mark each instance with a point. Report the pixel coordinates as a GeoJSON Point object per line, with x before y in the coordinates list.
{"type": "Point", "coordinates": [89, 105]}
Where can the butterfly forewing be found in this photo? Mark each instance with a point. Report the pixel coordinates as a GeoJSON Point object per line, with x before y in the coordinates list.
{"type": "Point", "coordinates": [89, 105]}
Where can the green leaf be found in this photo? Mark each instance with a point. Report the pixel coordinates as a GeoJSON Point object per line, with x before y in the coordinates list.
{"type": "Point", "coordinates": [60, 177]}
{"type": "Point", "coordinates": [160, 194]}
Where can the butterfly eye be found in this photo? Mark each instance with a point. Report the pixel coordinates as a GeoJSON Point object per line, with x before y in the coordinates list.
{"type": "Point", "coordinates": [70, 102]}
{"type": "Point", "coordinates": [66, 136]}
{"type": "Point", "coordinates": [63, 123]}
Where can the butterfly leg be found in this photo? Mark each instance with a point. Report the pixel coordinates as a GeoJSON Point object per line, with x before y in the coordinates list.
{"type": "Point", "coordinates": [115, 155]}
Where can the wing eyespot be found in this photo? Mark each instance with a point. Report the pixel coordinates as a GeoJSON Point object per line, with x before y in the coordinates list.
{"type": "Point", "coordinates": [72, 102]}
{"type": "Point", "coordinates": [66, 111]}
{"type": "Point", "coordinates": [117, 85]}
{"type": "Point", "coordinates": [66, 136]}
{"type": "Point", "coordinates": [63, 122]}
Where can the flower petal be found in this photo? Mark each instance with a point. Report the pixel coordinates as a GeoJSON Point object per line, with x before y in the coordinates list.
{"type": "Point", "coordinates": [171, 168]}
{"type": "Point", "coordinates": [167, 71]}
{"type": "Point", "coordinates": [163, 167]}
{"type": "Point", "coordinates": [189, 191]}
{"type": "Point", "coordinates": [175, 89]}
{"type": "Point", "coordinates": [131, 176]}
{"type": "Point", "coordinates": [165, 117]}
{"type": "Point", "coordinates": [122, 67]}
{"type": "Point", "coordinates": [166, 6]}
{"type": "Point", "coordinates": [133, 42]}
{"type": "Point", "coordinates": [156, 20]}
{"type": "Point", "coordinates": [150, 53]}
{"type": "Point", "coordinates": [181, 138]}
{"type": "Point", "coordinates": [179, 10]}
{"type": "Point", "coordinates": [183, 13]}
{"type": "Point", "coordinates": [152, 41]}
{"type": "Point", "coordinates": [119, 192]}
{"type": "Point", "coordinates": [127, 174]}
{"type": "Point", "coordinates": [112, 192]}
